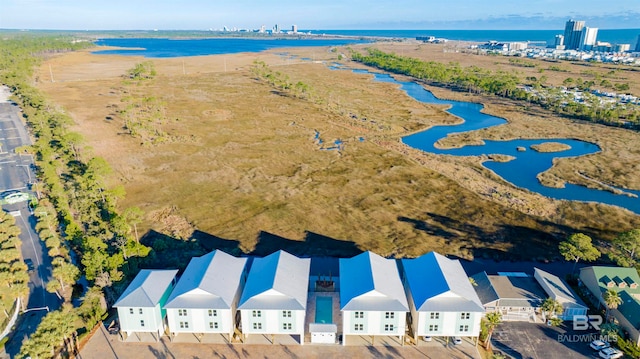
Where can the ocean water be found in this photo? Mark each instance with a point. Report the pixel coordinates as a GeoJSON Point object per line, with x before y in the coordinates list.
{"type": "Point", "coordinates": [157, 48]}
{"type": "Point", "coordinates": [615, 36]}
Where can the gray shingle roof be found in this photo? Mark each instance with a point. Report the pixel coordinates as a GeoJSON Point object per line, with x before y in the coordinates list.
{"type": "Point", "coordinates": [559, 289]}
{"type": "Point", "coordinates": [208, 282]}
{"type": "Point", "coordinates": [146, 289]}
{"type": "Point", "coordinates": [370, 282]}
{"type": "Point", "coordinates": [484, 288]}
{"type": "Point", "coordinates": [278, 281]}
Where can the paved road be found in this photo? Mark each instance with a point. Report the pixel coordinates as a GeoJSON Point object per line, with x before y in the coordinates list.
{"type": "Point", "coordinates": [16, 173]}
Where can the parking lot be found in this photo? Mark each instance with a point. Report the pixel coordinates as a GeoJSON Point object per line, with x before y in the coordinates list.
{"type": "Point", "coordinates": [524, 340]}
{"type": "Point", "coordinates": [103, 345]}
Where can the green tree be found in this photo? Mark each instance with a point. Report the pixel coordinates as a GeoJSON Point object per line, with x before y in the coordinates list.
{"type": "Point", "coordinates": [611, 331]}
{"type": "Point", "coordinates": [626, 248]}
{"type": "Point", "coordinates": [611, 300]}
{"type": "Point", "coordinates": [492, 320]}
{"type": "Point", "coordinates": [66, 274]}
{"type": "Point", "coordinates": [551, 308]}
{"type": "Point", "coordinates": [578, 246]}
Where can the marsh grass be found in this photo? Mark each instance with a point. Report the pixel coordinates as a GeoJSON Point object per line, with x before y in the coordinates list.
{"type": "Point", "coordinates": [248, 162]}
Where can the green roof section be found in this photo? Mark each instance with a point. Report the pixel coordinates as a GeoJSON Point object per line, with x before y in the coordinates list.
{"type": "Point", "coordinates": [625, 281]}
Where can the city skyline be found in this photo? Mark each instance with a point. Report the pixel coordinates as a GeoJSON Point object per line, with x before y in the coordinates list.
{"type": "Point", "coordinates": [330, 14]}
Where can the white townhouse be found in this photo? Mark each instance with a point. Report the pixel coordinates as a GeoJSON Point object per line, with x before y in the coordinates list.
{"type": "Point", "coordinates": [441, 298]}
{"type": "Point", "coordinates": [274, 299]}
{"type": "Point", "coordinates": [557, 289]}
{"type": "Point", "coordinates": [140, 305]}
{"type": "Point", "coordinates": [206, 297]}
{"type": "Point", "coordinates": [372, 299]}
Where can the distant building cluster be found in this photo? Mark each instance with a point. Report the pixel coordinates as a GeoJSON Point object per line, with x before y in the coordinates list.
{"type": "Point", "coordinates": [578, 42]}
{"type": "Point", "coordinates": [262, 30]}
{"type": "Point", "coordinates": [579, 37]}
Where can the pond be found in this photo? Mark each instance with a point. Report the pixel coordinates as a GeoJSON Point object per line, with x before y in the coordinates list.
{"type": "Point", "coordinates": [522, 171]}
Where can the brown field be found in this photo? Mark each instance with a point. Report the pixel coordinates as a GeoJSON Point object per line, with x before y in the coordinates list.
{"type": "Point", "coordinates": [246, 165]}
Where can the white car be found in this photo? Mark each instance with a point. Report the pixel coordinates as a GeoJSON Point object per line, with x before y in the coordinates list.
{"type": "Point", "coordinates": [599, 345]}
{"type": "Point", "coordinates": [457, 340]}
{"type": "Point", "coordinates": [610, 353]}
{"type": "Point", "coordinates": [427, 338]}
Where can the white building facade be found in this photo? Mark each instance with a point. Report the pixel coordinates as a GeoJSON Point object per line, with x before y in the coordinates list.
{"type": "Point", "coordinates": [274, 300]}
{"type": "Point", "coordinates": [206, 297]}
{"type": "Point", "coordinates": [372, 298]}
{"type": "Point", "coordinates": [441, 298]}
{"type": "Point", "coordinates": [140, 307]}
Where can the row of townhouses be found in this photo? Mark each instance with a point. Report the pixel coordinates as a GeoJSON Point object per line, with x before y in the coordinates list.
{"type": "Point", "coordinates": [329, 300]}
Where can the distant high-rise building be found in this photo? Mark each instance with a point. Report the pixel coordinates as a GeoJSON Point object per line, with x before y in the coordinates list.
{"type": "Point", "coordinates": [276, 29]}
{"type": "Point", "coordinates": [262, 29]}
{"type": "Point", "coordinates": [572, 34]}
{"type": "Point", "coordinates": [588, 38]}
{"type": "Point", "coordinates": [622, 48]}
{"type": "Point", "coordinates": [294, 29]}
{"type": "Point", "coordinates": [638, 44]}
{"type": "Point", "coordinates": [559, 42]}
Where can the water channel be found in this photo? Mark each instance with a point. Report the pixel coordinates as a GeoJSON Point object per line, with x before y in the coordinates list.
{"type": "Point", "coordinates": [526, 165]}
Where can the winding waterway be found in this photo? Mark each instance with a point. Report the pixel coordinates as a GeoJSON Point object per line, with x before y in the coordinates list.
{"type": "Point", "coordinates": [522, 171]}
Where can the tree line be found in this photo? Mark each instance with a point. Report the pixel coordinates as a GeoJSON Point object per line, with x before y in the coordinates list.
{"type": "Point", "coordinates": [77, 213]}
{"type": "Point", "coordinates": [505, 84]}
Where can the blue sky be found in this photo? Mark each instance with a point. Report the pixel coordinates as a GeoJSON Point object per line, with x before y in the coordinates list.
{"type": "Point", "coordinates": [326, 14]}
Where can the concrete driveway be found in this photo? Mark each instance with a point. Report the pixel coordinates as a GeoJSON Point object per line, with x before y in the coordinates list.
{"type": "Point", "coordinates": [523, 340]}
{"type": "Point", "coordinates": [103, 345]}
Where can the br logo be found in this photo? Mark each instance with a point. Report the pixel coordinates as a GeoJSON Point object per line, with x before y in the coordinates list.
{"type": "Point", "coordinates": [584, 322]}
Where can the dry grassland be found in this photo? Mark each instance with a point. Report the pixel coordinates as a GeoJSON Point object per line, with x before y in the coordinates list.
{"type": "Point", "coordinates": [248, 162]}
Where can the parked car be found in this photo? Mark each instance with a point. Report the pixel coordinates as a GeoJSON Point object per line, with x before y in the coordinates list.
{"type": "Point", "coordinates": [6, 194]}
{"type": "Point", "coordinates": [29, 264]}
{"type": "Point", "coordinates": [427, 338]}
{"type": "Point", "coordinates": [457, 340]}
{"type": "Point", "coordinates": [599, 345]}
{"type": "Point", "coordinates": [610, 353]}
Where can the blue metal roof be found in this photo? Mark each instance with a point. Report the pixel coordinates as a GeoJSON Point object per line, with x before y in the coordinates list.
{"type": "Point", "coordinates": [371, 282]}
{"type": "Point", "coordinates": [438, 283]}
{"type": "Point", "coordinates": [277, 281]}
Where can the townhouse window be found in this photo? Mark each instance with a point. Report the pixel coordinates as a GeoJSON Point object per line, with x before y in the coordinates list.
{"type": "Point", "coordinates": [257, 326]}
{"type": "Point", "coordinates": [465, 315]}
{"type": "Point", "coordinates": [433, 327]}
{"type": "Point", "coordinates": [130, 310]}
{"type": "Point", "coordinates": [213, 313]}
{"type": "Point", "coordinates": [359, 315]}
{"type": "Point", "coordinates": [142, 323]}
{"type": "Point", "coordinates": [389, 315]}
{"type": "Point", "coordinates": [182, 312]}
{"type": "Point", "coordinates": [139, 310]}
{"type": "Point", "coordinates": [286, 326]}
{"type": "Point", "coordinates": [388, 327]}
{"type": "Point", "coordinates": [213, 325]}
{"type": "Point", "coordinates": [256, 313]}
{"type": "Point", "coordinates": [358, 327]}
{"type": "Point", "coordinates": [184, 325]}
{"type": "Point", "coordinates": [434, 315]}
{"type": "Point", "coordinates": [464, 328]}
{"type": "Point", "coordinates": [286, 314]}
